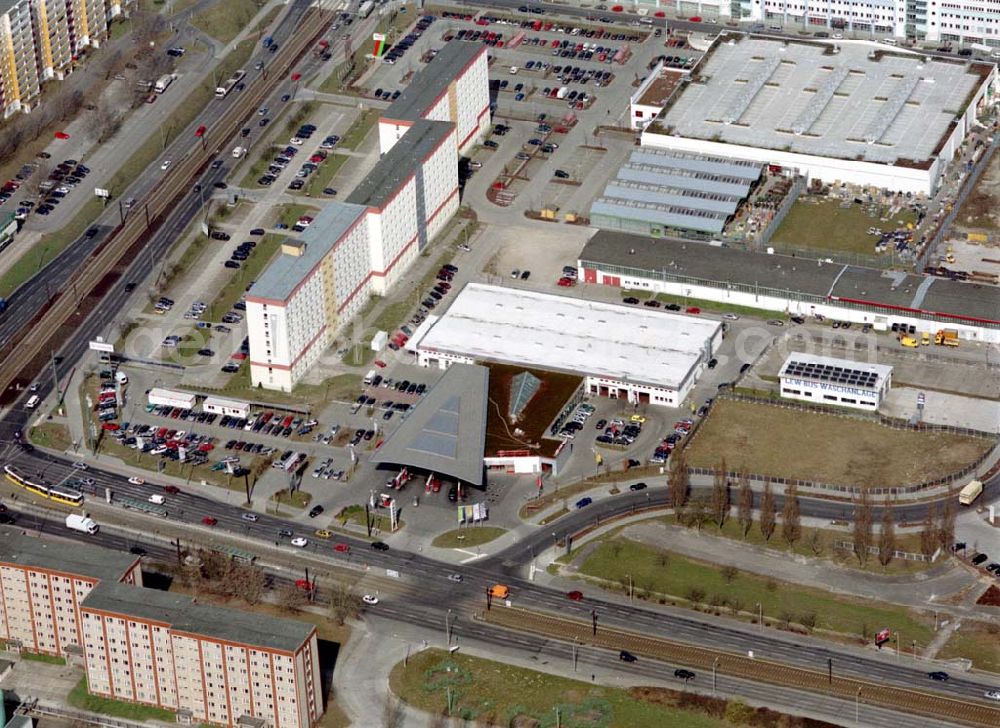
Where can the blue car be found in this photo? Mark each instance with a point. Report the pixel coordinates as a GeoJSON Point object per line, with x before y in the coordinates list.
{"type": "Point", "coordinates": [584, 502]}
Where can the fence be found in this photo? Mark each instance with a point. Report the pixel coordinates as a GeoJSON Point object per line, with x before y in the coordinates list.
{"type": "Point", "coordinates": [904, 555]}
{"type": "Point", "coordinates": [797, 188]}
{"type": "Point", "coordinates": [849, 490]}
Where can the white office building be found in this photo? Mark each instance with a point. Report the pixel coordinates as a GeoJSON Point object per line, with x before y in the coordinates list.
{"type": "Point", "coordinates": [855, 112]}
{"type": "Point", "coordinates": [453, 87]}
{"type": "Point", "coordinates": [639, 354]}
{"type": "Point", "coordinates": [838, 382]}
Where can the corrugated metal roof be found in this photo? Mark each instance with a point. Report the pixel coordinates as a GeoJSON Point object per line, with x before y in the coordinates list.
{"type": "Point", "coordinates": [693, 199]}
{"type": "Point", "coordinates": [740, 168]}
{"type": "Point", "coordinates": [679, 178]}
{"type": "Point", "coordinates": [666, 216]}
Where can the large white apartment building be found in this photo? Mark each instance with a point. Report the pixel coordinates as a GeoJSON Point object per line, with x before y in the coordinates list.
{"type": "Point", "coordinates": [41, 39]}
{"type": "Point", "coordinates": [454, 87]}
{"type": "Point", "coordinates": [209, 664]}
{"type": "Point", "coordinates": [360, 247]}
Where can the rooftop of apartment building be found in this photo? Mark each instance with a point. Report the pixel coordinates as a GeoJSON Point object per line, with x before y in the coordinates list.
{"type": "Point", "coordinates": [185, 614]}
{"type": "Point", "coordinates": [300, 255]}
{"type": "Point", "coordinates": [428, 85]}
{"type": "Point", "coordinates": [396, 166]}
{"type": "Point", "coordinates": [22, 548]}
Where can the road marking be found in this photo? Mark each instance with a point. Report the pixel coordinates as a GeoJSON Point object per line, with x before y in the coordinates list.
{"type": "Point", "coordinates": [471, 558]}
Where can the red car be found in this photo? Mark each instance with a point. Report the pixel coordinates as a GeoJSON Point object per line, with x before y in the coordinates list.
{"type": "Point", "coordinates": [342, 548]}
{"type": "Point", "coordinates": [565, 282]}
{"type": "Point", "coordinates": [576, 596]}
{"type": "Point", "coordinates": [209, 521]}
{"type": "Point", "coordinates": [62, 135]}
{"type": "Point", "coordinates": [304, 585]}
{"type": "Point", "coordinates": [693, 309]}
{"type": "Point", "coordinates": [380, 364]}
{"type": "Point", "coordinates": [695, 19]}
{"type": "Point", "coordinates": [200, 131]}
{"type": "Point", "coordinates": [110, 426]}
{"type": "Point", "coordinates": [171, 489]}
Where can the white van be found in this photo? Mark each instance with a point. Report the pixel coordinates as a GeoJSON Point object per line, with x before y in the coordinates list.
{"type": "Point", "coordinates": [369, 378]}
{"type": "Point", "coordinates": [121, 377]}
{"type": "Point", "coordinates": [157, 499]}
{"type": "Point", "coordinates": [32, 402]}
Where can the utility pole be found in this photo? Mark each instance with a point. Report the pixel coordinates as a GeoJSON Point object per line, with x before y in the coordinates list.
{"type": "Point", "coordinates": [829, 671]}
{"type": "Point", "coordinates": [574, 653]}
{"type": "Point", "coordinates": [447, 628]}
{"type": "Point", "coordinates": [593, 614]}
{"type": "Point", "coordinates": [715, 665]}
{"type": "Point", "coordinates": [55, 375]}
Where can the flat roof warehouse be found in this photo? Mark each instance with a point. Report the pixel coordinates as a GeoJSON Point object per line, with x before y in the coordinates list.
{"type": "Point", "coordinates": [545, 331]}
{"type": "Point", "coordinates": [804, 97]}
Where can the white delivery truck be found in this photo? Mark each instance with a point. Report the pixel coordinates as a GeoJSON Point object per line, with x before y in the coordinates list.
{"type": "Point", "coordinates": [84, 523]}
{"type": "Point", "coordinates": [239, 152]}
{"type": "Point", "coordinates": [970, 492]}
{"type": "Point", "coordinates": [369, 377]}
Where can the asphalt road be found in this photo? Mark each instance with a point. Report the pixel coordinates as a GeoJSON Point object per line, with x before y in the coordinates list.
{"type": "Point", "coordinates": [424, 585]}
{"type": "Point", "coordinates": [27, 300]}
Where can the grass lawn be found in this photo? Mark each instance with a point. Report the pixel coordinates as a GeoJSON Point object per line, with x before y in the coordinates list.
{"type": "Point", "coordinates": [493, 693]}
{"type": "Point", "coordinates": [356, 515]}
{"type": "Point", "coordinates": [674, 576]}
{"type": "Point", "coordinates": [289, 214]}
{"type": "Point", "coordinates": [339, 388]}
{"type": "Point", "coordinates": [35, 657]}
{"type": "Point", "coordinates": [258, 167]}
{"type": "Point", "coordinates": [322, 177]}
{"type": "Point", "coordinates": [225, 19]}
{"type": "Point", "coordinates": [51, 435]}
{"type": "Point", "coordinates": [843, 229]}
{"type": "Point", "coordinates": [771, 440]}
{"type": "Point", "coordinates": [976, 641]}
{"type": "Point", "coordinates": [717, 307]}
{"type": "Point", "coordinates": [79, 698]}
{"type": "Point", "coordinates": [298, 499]}
{"type": "Point", "coordinates": [262, 254]}
{"type": "Point", "coordinates": [359, 129]}
{"type": "Point", "coordinates": [466, 537]}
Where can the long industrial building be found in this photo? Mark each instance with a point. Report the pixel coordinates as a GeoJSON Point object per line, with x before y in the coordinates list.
{"type": "Point", "coordinates": [360, 247]}
{"type": "Point", "coordinates": [207, 664]}
{"type": "Point", "coordinates": [638, 354]}
{"type": "Point", "coordinates": [41, 39]}
{"type": "Point", "coordinates": [851, 112]}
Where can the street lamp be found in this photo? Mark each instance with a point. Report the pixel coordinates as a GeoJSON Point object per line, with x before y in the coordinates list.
{"type": "Point", "coordinates": [857, 707]}
{"type": "Point", "coordinates": [715, 665]}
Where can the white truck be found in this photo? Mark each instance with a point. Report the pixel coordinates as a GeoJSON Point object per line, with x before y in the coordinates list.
{"type": "Point", "coordinates": [365, 9]}
{"type": "Point", "coordinates": [970, 492]}
{"type": "Point", "coordinates": [84, 523]}
{"type": "Point", "coordinates": [163, 82]}
{"type": "Point", "coordinates": [239, 152]}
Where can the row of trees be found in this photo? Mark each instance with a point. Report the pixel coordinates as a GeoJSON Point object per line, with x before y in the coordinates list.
{"type": "Point", "coordinates": [938, 528]}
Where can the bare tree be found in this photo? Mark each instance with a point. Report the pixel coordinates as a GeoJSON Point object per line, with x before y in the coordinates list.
{"type": "Point", "coordinates": [678, 485]}
{"type": "Point", "coordinates": [720, 495]}
{"type": "Point", "coordinates": [729, 573]}
{"type": "Point", "coordinates": [343, 604]}
{"type": "Point", "coordinates": [791, 517]}
{"type": "Point", "coordinates": [864, 518]}
{"type": "Point", "coordinates": [246, 582]}
{"type": "Point", "coordinates": [698, 513]}
{"type": "Point", "coordinates": [886, 536]}
{"type": "Point", "coordinates": [768, 515]}
{"type": "Point", "coordinates": [291, 598]}
{"type": "Point", "coordinates": [815, 542]}
{"type": "Point", "coordinates": [928, 532]}
{"type": "Point", "coordinates": [42, 169]}
{"type": "Point", "coordinates": [745, 508]}
{"type": "Point", "coordinates": [946, 526]}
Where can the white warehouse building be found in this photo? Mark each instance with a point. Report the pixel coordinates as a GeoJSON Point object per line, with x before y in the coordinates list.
{"type": "Point", "coordinates": [851, 112]}
{"type": "Point", "coordinates": [830, 381]}
{"type": "Point", "coordinates": [453, 87]}
{"type": "Point", "coordinates": [639, 354]}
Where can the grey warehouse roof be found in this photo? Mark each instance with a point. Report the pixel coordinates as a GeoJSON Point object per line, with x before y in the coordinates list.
{"type": "Point", "coordinates": [69, 558]}
{"type": "Point", "coordinates": [286, 271]}
{"type": "Point", "coordinates": [722, 266]}
{"type": "Point", "coordinates": [396, 166]}
{"type": "Point", "coordinates": [427, 86]}
{"type": "Point", "coordinates": [185, 614]}
{"type": "Point", "coordinates": [860, 102]}
{"type": "Point", "coordinates": [677, 190]}
{"type": "Point", "coordinates": [446, 431]}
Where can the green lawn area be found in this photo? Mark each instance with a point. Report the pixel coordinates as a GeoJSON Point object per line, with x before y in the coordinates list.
{"type": "Point", "coordinates": [225, 19]}
{"type": "Point", "coordinates": [35, 657]}
{"type": "Point", "coordinates": [674, 576]}
{"type": "Point", "coordinates": [321, 178]}
{"type": "Point", "coordinates": [339, 388]}
{"type": "Point", "coordinates": [466, 537]}
{"type": "Point", "coordinates": [298, 499]}
{"type": "Point", "coordinates": [769, 440]}
{"type": "Point", "coordinates": [258, 167]}
{"type": "Point", "coordinates": [715, 306]}
{"type": "Point", "coordinates": [289, 214]}
{"type": "Point", "coordinates": [80, 698]}
{"type": "Point", "coordinates": [266, 249]}
{"type": "Point", "coordinates": [51, 435]}
{"type": "Point", "coordinates": [359, 129]}
{"type": "Point", "coordinates": [825, 225]}
{"type": "Point", "coordinates": [976, 641]}
{"type": "Point", "coordinates": [493, 693]}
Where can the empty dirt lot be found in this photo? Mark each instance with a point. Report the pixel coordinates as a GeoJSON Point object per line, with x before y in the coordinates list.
{"type": "Point", "coordinates": [772, 440]}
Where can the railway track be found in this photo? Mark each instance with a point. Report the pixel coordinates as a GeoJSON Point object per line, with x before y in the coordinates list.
{"type": "Point", "coordinates": [25, 351]}
{"type": "Point", "coordinates": [746, 667]}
